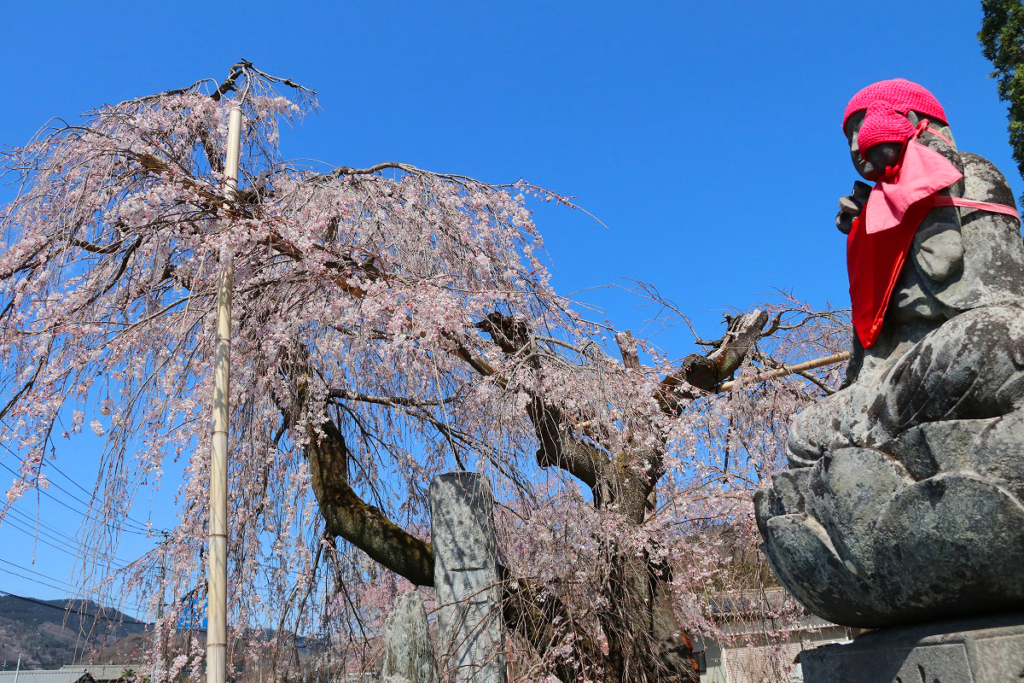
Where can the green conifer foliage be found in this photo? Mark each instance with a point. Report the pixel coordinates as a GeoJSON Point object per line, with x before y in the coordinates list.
{"type": "Point", "coordinates": [1002, 43]}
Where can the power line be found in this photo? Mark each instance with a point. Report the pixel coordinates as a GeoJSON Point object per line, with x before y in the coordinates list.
{"type": "Point", "coordinates": [38, 522]}
{"type": "Point", "coordinates": [36, 581]}
{"type": "Point", "coordinates": [141, 527]}
{"type": "Point", "coordinates": [66, 587]}
{"type": "Point", "coordinates": [33, 571]}
{"type": "Point", "coordinates": [38, 536]}
{"type": "Point", "coordinates": [66, 541]}
{"type": "Point", "coordinates": [41, 535]}
{"type": "Point", "coordinates": [61, 502]}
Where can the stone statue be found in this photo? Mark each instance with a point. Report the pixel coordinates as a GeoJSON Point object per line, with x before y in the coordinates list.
{"type": "Point", "coordinates": [904, 501]}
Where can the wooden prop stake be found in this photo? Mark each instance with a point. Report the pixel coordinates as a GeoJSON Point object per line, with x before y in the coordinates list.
{"type": "Point", "coordinates": [217, 611]}
{"type": "Point", "coordinates": [785, 370]}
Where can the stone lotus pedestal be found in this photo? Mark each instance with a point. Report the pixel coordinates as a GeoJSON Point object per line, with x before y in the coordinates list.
{"type": "Point", "coordinates": [986, 650]}
{"type": "Point", "coordinates": [870, 539]}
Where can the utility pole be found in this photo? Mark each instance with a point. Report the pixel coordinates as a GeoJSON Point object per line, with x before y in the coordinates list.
{"type": "Point", "coordinates": [163, 579]}
{"type": "Point", "coordinates": [161, 641]}
{"type": "Point", "coordinates": [217, 628]}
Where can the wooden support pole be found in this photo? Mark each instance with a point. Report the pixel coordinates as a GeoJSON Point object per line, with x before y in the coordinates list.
{"type": "Point", "coordinates": [217, 611]}
{"type": "Point", "coordinates": [785, 370]}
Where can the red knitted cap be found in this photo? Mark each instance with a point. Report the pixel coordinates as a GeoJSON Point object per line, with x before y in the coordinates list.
{"type": "Point", "coordinates": [886, 104]}
{"type": "Point", "coordinates": [901, 94]}
{"type": "Point", "coordinates": [883, 123]}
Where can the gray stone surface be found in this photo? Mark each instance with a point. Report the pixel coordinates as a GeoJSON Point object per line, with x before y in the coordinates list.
{"type": "Point", "coordinates": [408, 652]}
{"type": "Point", "coordinates": [989, 650]}
{"type": "Point", "coordinates": [466, 578]}
{"type": "Point", "coordinates": [904, 499]}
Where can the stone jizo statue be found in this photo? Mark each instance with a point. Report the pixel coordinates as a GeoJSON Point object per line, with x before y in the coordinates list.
{"type": "Point", "coordinates": [904, 501]}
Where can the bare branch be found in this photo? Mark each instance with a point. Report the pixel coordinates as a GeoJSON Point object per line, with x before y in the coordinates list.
{"type": "Point", "coordinates": [336, 392]}
{"type": "Point", "coordinates": [699, 375]}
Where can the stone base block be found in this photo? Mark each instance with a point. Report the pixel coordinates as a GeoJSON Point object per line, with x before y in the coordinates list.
{"type": "Point", "coordinates": [980, 650]}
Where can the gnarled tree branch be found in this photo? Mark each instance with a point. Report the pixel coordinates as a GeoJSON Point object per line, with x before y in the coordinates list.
{"type": "Point", "coordinates": [698, 375]}
{"type": "Point", "coordinates": [358, 522]}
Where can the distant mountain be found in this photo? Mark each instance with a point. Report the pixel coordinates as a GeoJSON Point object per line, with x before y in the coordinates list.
{"type": "Point", "coordinates": [50, 633]}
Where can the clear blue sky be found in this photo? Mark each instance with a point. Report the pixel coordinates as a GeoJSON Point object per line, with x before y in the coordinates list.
{"type": "Point", "coordinates": [705, 135]}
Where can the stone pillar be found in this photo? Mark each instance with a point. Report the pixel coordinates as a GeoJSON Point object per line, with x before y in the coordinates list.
{"type": "Point", "coordinates": [466, 577]}
{"type": "Point", "coordinates": [408, 652]}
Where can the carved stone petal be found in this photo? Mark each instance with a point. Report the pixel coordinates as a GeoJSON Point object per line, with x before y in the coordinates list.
{"type": "Point", "coordinates": [848, 491]}
{"type": "Point", "coordinates": [955, 547]}
{"type": "Point", "coordinates": [803, 557]}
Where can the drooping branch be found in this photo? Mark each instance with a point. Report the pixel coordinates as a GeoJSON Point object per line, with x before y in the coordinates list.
{"type": "Point", "coordinates": [559, 445]}
{"type": "Point", "coordinates": [545, 622]}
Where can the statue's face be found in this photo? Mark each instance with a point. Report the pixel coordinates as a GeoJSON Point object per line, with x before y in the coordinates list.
{"type": "Point", "coordinates": [878, 157]}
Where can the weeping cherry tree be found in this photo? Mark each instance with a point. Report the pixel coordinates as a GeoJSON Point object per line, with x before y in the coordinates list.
{"type": "Point", "coordinates": [390, 323]}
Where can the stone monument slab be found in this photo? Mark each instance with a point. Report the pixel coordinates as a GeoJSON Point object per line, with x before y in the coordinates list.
{"type": "Point", "coordinates": [466, 577]}
{"type": "Point", "coordinates": [408, 652]}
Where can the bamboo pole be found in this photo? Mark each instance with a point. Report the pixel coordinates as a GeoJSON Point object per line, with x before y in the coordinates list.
{"type": "Point", "coordinates": [786, 370]}
{"type": "Point", "coordinates": [217, 610]}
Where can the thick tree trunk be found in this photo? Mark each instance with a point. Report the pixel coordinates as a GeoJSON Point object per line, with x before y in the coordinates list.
{"type": "Point", "coordinates": [646, 643]}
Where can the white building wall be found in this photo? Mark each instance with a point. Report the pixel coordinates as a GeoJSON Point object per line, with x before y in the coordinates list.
{"type": "Point", "coordinates": [756, 663]}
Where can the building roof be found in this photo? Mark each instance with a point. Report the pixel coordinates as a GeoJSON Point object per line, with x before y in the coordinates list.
{"type": "Point", "coordinates": [741, 612]}
{"type": "Point", "coordinates": [102, 672]}
{"type": "Point", "coordinates": [46, 676]}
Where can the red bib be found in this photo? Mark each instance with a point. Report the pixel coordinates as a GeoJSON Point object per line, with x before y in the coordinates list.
{"type": "Point", "coordinates": [878, 243]}
{"type": "Point", "coordinates": [874, 262]}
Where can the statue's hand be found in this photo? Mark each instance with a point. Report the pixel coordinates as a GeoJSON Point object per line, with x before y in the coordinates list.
{"type": "Point", "coordinates": [851, 206]}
